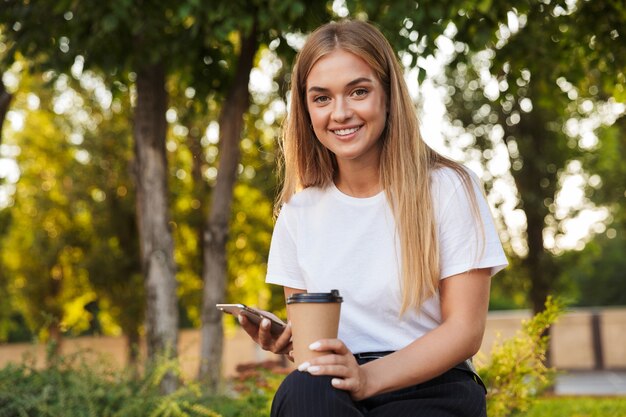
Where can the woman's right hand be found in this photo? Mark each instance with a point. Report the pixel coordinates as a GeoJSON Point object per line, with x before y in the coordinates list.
{"type": "Point", "coordinates": [280, 344]}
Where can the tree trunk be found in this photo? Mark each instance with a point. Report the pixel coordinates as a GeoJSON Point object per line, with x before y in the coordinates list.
{"type": "Point", "coordinates": [132, 347]}
{"type": "Point", "coordinates": [542, 281]}
{"type": "Point", "coordinates": [197, 218]}
{"type": "Point", "coordinates": [54, 310]}
{"type": "Point", "coordinates": [5, 102]}
{"type": "Point", "coordinates": [539, 263]}
{"type": "Point", "coordinates": [536, 184]}
{"type": "Point", "coordinates": [156, 242]}
{"type": "Point", "coordinates": [55, 342]}
{"type": "Point", "coordinates": [216, 229]}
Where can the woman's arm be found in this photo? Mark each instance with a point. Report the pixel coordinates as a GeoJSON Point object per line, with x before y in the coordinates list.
{"type": "Point", "coordinates": [464, 302]}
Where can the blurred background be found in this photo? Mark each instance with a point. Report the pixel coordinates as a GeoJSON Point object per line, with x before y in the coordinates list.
{"type": "Point", "coordinates": [139, 153]}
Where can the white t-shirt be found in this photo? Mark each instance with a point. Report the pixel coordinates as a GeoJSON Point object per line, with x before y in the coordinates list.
{"type": "Point", "coordinates": [325, 239]}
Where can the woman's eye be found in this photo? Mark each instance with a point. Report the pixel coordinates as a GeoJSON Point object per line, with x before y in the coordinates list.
{"type": "Point", "coordinates": [320, 99]}
{"type": "Point", "coordinates": [360, 92]}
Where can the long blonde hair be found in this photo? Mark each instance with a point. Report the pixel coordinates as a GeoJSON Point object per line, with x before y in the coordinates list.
{"type": "Point", "coordinates": [406, 160]}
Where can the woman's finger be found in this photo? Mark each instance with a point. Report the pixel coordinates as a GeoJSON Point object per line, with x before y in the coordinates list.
{"type": "Point", "coordinates": [262, 335]}
{"type": "Point", "coordinates": [284, 339]}
{"type": "Point", "coordinates": [287, 350]}
{"type": "Point", "coordinates": [266, 340]}
{"type": "Point", "coordinates": [330, 359]}
{"type": "Point", "coordinates": [334, 345]}
{"type": "Point", "coordinates": [334, 370]}
{"type": "Point", "coordinates": [249, 327]}
{"type": "Point", "coordinates": [346, 384]}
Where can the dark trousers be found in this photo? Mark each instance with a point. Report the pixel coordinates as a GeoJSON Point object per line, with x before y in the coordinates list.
{"type": "Point", "coordinates": [453, 394]}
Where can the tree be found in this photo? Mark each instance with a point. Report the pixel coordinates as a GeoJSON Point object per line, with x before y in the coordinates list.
{"type": "Point", "coordinates": [598, 270]}
{"type": "Point", "coordinates": [548, 59]}
{"type": "Point", "coordinates": [216, 228]}
{"type": "Point", "coordinates": [105, 185]}
{"type": "Point", "coordinates": [116, 38]}
{"type": "Point", "coordinates": [85, 152]}
{"type": "Point", "coordinates": [50, 288]}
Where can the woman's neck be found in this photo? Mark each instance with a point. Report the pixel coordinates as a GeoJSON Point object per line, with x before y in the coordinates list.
{"type": "Point", "coordinates": [359, 183]}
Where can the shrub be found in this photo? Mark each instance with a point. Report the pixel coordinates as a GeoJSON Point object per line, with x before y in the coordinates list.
{"type": "Point", "coordinates": [258, 381]}
{"type": "Point", "coordinates": [71, 388]}
{"type": "Point", "coordinates": [516, 372]}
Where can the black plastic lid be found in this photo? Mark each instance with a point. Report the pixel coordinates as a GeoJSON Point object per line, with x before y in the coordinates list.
{"type": "Point", "coordinates": [315, 297]}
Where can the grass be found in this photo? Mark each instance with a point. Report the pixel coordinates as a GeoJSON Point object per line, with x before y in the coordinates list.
{"type": "Point", "coordinates": [577, 407]}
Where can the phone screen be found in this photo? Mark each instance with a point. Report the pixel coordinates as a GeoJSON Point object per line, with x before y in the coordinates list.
{"type": "Point", "coordinates": [253, 315]}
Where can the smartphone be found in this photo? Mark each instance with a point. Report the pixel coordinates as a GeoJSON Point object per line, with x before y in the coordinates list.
{"type": "Point", "coordinates": [253, 315]}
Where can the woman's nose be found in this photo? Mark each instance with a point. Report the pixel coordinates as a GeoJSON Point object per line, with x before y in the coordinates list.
{"type": "Point", "coordinates": [341, 111]}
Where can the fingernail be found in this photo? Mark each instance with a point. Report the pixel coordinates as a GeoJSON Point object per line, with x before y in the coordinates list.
{"type": "Point", "coordinates": [240, 319]}
{"type": "Point", "coordinates": [335, 381]}
{"type": "Point", "coordinates": [313, 369]}
{"type": "Point", "coordinates": [315, 345]}
{"type": "Point", "coordinates": [265, 323]}
{"type": "Point", "coordinates": [303, 366]}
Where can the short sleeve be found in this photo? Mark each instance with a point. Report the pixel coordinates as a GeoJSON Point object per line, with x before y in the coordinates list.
{"type": "Point", "coordinates": [282, 266]}
{"type": "Point", "coordinates": [465, 241]}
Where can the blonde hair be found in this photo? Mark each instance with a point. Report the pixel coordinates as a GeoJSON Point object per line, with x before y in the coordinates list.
{"type": "Point", "coordinates": [406, 160]}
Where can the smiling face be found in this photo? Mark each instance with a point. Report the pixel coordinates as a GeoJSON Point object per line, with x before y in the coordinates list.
{"type": "Point", "coordinates": [347, 107]}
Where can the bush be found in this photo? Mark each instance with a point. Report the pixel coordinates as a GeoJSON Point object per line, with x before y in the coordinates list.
{"type": "Point", "coordinates": [71, 388]}
{"type": "Point", "coordinates": [516, 372]}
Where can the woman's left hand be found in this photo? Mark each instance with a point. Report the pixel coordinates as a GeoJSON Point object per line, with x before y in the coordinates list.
{"type": "Point", "coordinates": [341, 364]}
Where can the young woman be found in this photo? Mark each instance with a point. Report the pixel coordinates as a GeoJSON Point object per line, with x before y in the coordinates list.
{"type": "Point", "coordinates": [404, 234]}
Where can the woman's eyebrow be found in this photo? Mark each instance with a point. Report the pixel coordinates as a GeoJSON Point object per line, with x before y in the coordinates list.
{"type": "Point", "coordinates": [350, 84]}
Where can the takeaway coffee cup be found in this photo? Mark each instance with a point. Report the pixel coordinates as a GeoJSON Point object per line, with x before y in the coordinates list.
{"type": "Point", "coordinates": [313, 316]}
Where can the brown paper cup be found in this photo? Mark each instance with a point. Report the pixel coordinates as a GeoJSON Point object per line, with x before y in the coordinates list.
{"type": "Point", "coordinates": [313, 316]}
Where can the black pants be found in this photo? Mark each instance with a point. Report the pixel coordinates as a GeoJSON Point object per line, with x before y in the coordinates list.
{"type": "Point", "coordinates": [453, 394]}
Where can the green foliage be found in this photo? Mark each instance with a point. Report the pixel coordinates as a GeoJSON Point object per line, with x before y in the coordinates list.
{"type": "Point", "coordinates": [516, 372]}
{"type": "Point", "coordinates": [71, 388]}
{"type": "Point", "coordinates": [545, 59]}
{"type": "Point", "coordinates": [74, 208]}
{"type": "Point", "coordinates": [257, 383]}
{"type": "Point", "coordinates": [42, 247]}
{"type": "Point", "coordinates": [510, 290]}
{"type": "Point", "coordinates": [597, 271]}
{"type": "Point", "coordinates": [608, 163]}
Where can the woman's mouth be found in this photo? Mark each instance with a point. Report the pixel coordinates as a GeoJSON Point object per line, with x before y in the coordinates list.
{"type": "Point", "coordinates": [345, 132]}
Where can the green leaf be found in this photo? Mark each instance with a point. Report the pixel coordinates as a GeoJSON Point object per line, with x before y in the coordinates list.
{"type": "Point", "coordinates": [484, 6]}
